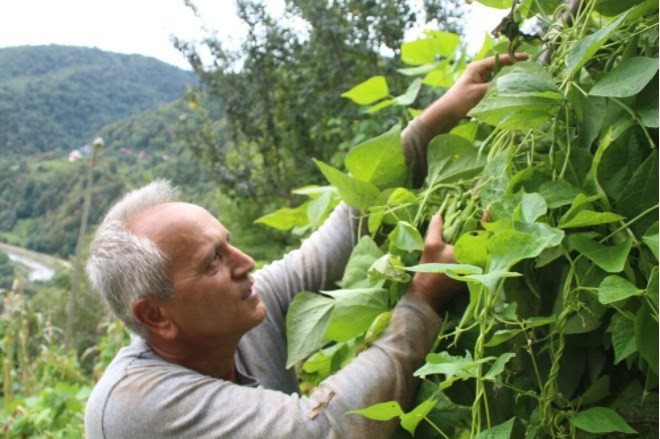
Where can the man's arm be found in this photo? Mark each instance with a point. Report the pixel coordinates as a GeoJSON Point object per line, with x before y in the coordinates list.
{"type": "Point", "coordinates": [157, 399]}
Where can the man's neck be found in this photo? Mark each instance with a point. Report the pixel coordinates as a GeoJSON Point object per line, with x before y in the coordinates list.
{"type": "Point", "coordinates": [215, 360]}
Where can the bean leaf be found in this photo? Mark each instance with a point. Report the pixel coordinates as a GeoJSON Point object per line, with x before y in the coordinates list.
{"type": "Point", "coordinates": [609, 258]}
{"type": "Point", "coordinates": [369, 91]}
{"type": "Point", "coordinates": [600, 420]}
{"type": "Point", "coordinates": [306, 321]}
{"type": "Point", "coordinates": [615, 288]}
{"type": "Point", "coordinates": [627, 79]}
{"type": "Point", "coordinates": [584, 49]}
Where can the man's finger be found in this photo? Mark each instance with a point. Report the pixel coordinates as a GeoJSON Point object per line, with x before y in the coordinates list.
{"type": "Point", "coordinates": [435, 229]}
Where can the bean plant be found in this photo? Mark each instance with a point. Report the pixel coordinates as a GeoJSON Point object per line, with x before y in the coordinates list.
{"type": "Point", "coordinates": [557, 334]}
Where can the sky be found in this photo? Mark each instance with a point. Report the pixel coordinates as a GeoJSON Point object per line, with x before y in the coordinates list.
{"type": "Point", "coordinates": [144, 26]}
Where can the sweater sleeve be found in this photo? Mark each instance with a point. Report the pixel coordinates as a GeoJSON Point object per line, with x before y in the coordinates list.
{"type": "Point", "coordinates": [165, 400]}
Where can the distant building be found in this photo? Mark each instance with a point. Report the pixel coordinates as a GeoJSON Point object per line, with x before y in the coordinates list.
{"type": "Point", "coordinates": [74, 155]}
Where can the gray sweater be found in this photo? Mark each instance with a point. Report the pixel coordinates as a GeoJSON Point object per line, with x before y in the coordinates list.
{"type": "Point", "coordinates": [143, 396]}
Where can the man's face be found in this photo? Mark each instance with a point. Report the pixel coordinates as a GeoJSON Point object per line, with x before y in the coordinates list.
{"type": "Point", "coordinates": [213, 295]}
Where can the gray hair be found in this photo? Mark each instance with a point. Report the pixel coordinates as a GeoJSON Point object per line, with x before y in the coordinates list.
{"type": "Point", "coordinates": [124, 267]}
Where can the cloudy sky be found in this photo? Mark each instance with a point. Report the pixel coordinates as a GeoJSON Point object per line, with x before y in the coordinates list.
{"type": "Point", "coordinates": [144, 26]}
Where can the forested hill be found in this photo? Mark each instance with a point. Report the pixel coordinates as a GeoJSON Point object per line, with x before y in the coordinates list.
{"type": "Point", "coordinates": [59, 97]}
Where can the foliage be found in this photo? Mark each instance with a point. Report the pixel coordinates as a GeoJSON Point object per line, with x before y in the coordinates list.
{"type": "Point", "coordinates": [6, 272]}
{"type": "Point", "coordinates": [44, 389]}
{"type": "Point", "coordinates": [280, 92]}
{"type": "Point", "coordinates": [59, 96]}
{"type": "Point", "coordinates": [557, 336]}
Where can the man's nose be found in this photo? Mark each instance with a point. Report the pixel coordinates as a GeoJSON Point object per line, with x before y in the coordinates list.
{"type": "Point", "coordinates": [243, 263]}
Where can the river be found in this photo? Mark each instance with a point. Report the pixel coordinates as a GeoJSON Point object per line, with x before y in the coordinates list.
{"type": "Point", "coordinates": [42, 267]}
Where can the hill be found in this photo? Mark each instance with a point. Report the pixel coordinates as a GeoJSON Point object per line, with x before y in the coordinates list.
{"type": "Point", "coordinates": [59, 97]}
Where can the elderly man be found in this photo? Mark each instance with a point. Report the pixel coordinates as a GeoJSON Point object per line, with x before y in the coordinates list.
{"type": "Point", "coordinates": [208, 354]}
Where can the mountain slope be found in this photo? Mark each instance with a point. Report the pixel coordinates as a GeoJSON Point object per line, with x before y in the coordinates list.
{"type": "Point", "coordinates": [54, 97]}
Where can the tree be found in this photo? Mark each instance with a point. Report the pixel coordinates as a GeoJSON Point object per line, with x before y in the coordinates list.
{"type": "Point", "coordinates": [281, 92]}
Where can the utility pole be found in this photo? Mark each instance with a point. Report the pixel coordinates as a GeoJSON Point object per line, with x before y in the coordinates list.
{"type": "Point", "coordinates": [77, 266]}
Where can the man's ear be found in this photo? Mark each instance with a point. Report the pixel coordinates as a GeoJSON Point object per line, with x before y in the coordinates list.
{"type": "Point", "coordinates": [152, 314]}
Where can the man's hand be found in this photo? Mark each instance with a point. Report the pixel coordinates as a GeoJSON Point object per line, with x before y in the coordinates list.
{"type": "Point", "coordinates": [442, 115]}
{"type": "Point", "coordinates": [435, 289]}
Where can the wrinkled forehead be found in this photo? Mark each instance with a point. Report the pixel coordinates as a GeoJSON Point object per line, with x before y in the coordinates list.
{"type": "Point", "coordinates": [173, 224]}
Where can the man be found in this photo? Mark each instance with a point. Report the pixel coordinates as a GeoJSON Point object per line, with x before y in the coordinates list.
{"type": "Point", "coordinates": [209, 351]}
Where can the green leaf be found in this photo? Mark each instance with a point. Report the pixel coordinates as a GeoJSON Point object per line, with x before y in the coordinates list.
{"type": "Point", "coordinates": [406, 237]}
{"type": "Point", "coordinates": [383, 411]}
{"type": "Point", "coordinates": [286, 218]}
{"type": "Point", "coordinates": [609, 258]}
{"type": "Point", "coordinates": [531, 208]}
{"type": "Point", "coordinates": [581, 202]}
{"type": "Point", "coordinates": [652, 286]}
{"type": "Point", "coordinates": [596, 392]}
{"type": "Point", "coordinates": [600, 420]}
{"type": "Point", "coordinates": [516, 112]}
{"type": "Point", "coordinates": [411, 93]}
{"type": "Point", "coordinates": [306, 321]}
{"type": "Point", "coordinates": [444, 268]}
{"type": "Point", "coordinates": [509, 247]}
{"type": "Point", "coordinates": [452, 158]}
{"type": "Point", "coordinates": [614, 288]}
{"type": "Point", "coordinates": [421, 70]}
{"type": "Point", "coordinates": [650, 238]}
{"type": "Point", "coordinates": [450, 366]}
{"type": "Point", "coordinates": [490, 279]}
{"type": "Point", "coordinates": [319, 209]}
{"type": "Point", "coordinates": [380, 160]}
{"type": "Point", "coordinates": [486, 47]}
{"type": "Point", "coordinates": [354, 311]}
{"type": "Point", "coordinates": [502, 431]}
{"type": "Point", "coordinates": [622, 331]}
{"type": "Point", "coordinates": [590, 113]}
{"type": "Point", "coordinates": [424, 50]}
{"type": "Point", "coordinates": [471, 248]}
{"type": "Point", "coordinates": [647, 105]}
{"type": "Point", "coordinates": [443, 76]}
{"type": "Point", "coordinates": [586, 218]}
{"type": "Point", "coordinates": [646, 336]}
{"type": "Point", "coordinates": [640, 194]}
{"type": "Point", "coordinates": [357, 193]}
{"type": "Point", "coordinates": [381, 105]}
{"type": "Point", "coordinates": [377, 328]}
{"type": "Point", "coordinates": [365, 253]}
{"type": "Point", "coordinates": [411, 420]}
{"type": "Point", "coordinates": [502, 335]}
{"type": "Point", "coordinates": [522, 96]}
{"type": "Point", "coordinates": [369, 91]}
{"type": "Point", "coordinates": [617, 164]}
{"type": "Point", "coordinates": [498, 367]}
{"type": "Point", "coordinates": [612, 8]}
{"type": "Point", "coordinates": [584, 49]}
{"type": "Point", "coordinates": [389, 267]}
{"type": "Point", "coordinates": [498, 4]}
{"type": "Point", "coordinates": [627, 79]}
{"type": "Point", "coordinates": [495, 179]}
